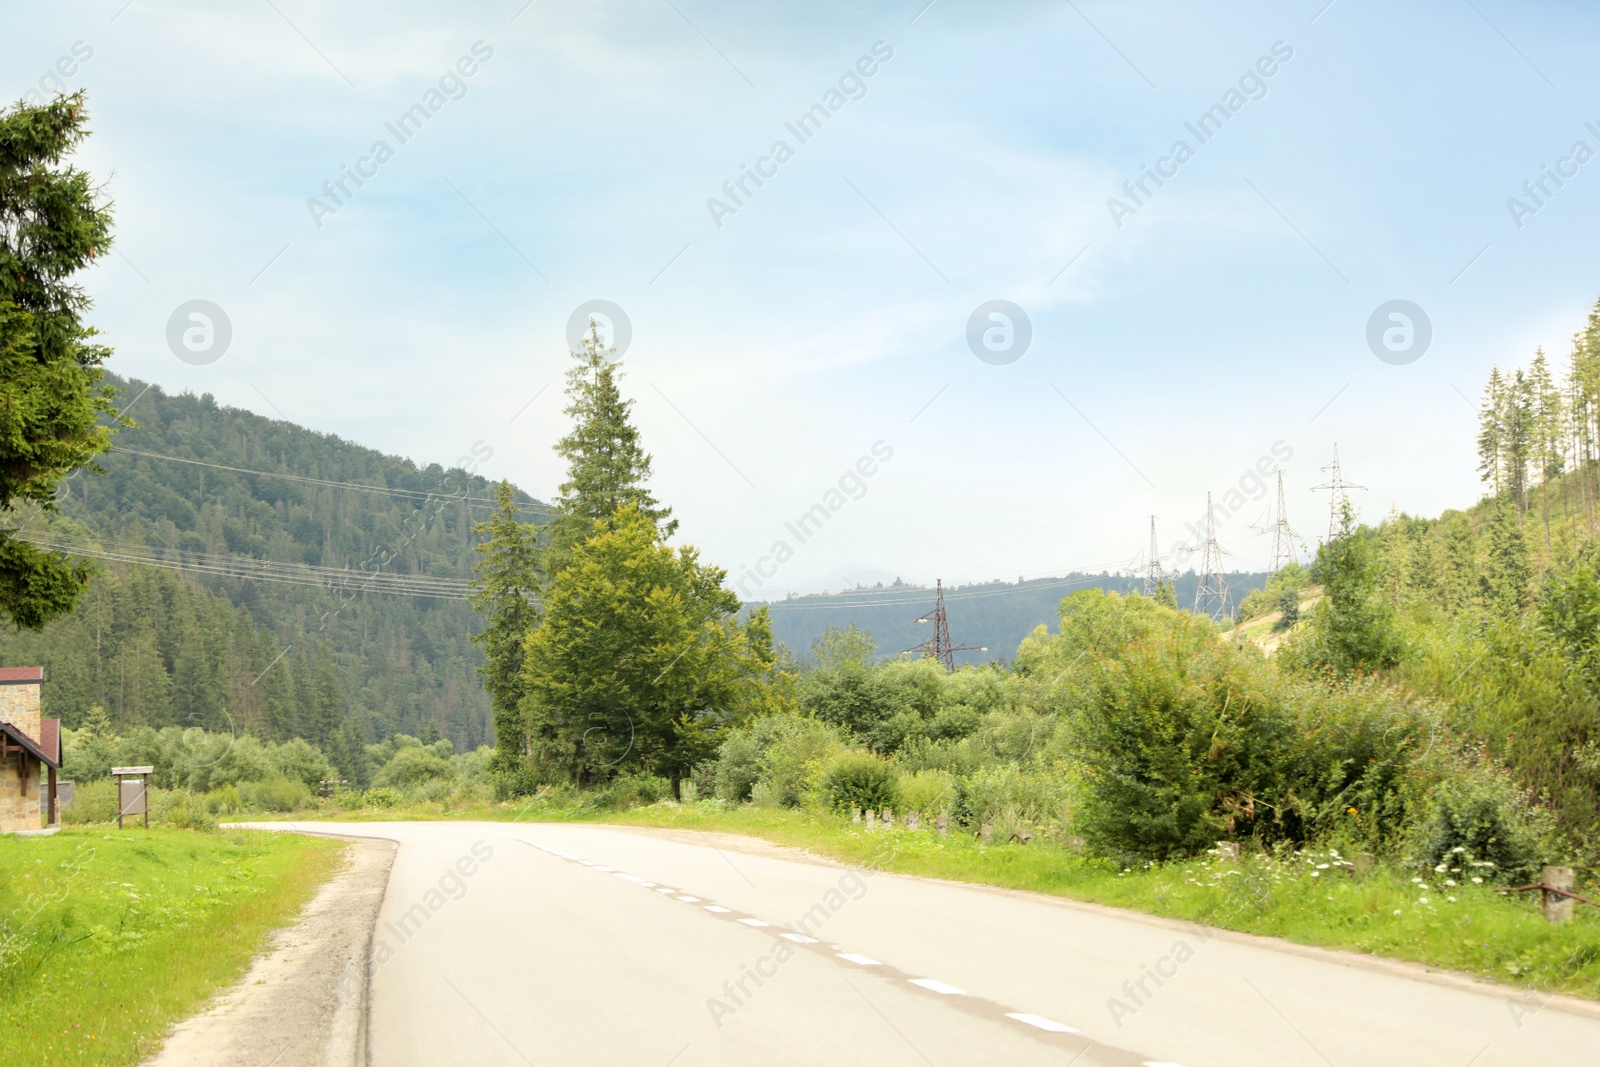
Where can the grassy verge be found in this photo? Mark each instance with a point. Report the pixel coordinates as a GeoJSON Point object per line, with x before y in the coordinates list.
{"type": "Point", "coordinates": [108, 938]}
{"type": "Point", "coordinates": [1309, 898]}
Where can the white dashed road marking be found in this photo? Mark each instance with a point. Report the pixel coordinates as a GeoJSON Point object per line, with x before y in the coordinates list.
{"type": "Point", "coordinates": [939, 987]}
{"type": "Point", "coordinates": [1041, 1022]}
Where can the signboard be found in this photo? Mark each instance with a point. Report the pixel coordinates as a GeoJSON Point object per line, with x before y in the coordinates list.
{"type": "Point", "coordinates": [131, 797]}
{"type": "Point", "coordinates": [133, 770]}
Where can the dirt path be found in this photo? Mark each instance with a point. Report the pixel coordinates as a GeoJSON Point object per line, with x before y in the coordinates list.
{"type": "Point", "coordinates": [303, 1003]}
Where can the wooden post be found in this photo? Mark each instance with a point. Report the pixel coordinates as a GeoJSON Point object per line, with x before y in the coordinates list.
{"type": "Point", "coordinates": [942, 824]}
{"type": "Point", "coordinates": [1557, 908]}
{"type": "Point", "coordinates": [53, 817]}
{"type": "Point", "coordinates": [146, 777]}
{"type": "Point", "coordinates": [1228, 851]}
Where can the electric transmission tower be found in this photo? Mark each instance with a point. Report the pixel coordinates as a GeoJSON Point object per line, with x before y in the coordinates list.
{"type": "Point", "coordinates": [1338, 496]}
{"type": "Point", "coordinates": [1153, 574]}
{"type": "Point", "coordinates": [1211, 594]}
{"type": "Point", "coordinates": [940, 647]}
{"type": "Point", "coordinates": [1283, 535]}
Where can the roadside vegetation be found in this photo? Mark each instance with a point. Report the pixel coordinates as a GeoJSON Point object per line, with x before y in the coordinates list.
{"type": "Point", "coordinates": [107, 939]}
{"type": "Point", "coordinates": [1422, 696]}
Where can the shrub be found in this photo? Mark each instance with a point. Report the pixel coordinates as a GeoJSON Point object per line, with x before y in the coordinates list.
{"type": "Point", "coordinates": [300, 761]}
{"type": "Point", "coordinates": [92, 802]}
{"type": "Point", "coordinates": [633, 790]}
{"type": "Point", "coordinates": [184, 810]}
{"type": "Point", "coordinates": [411, 767]}
{"type": "Point", "coordinates": [927, 792]}
{"type": "Point", "coordinates": [275, 794]}
{"type": "Point", "coordinates": [1474, 811]}
{"type": "Point", "coordinates": [1032, 799]}
{"type": "Point", "coordinates": [857, 779]}
{"type": "Point", "coordinates": [381, 797]}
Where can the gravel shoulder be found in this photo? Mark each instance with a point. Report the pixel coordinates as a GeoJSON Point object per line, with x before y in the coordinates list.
{"type": "Point", "coordinates": [304, 1001]}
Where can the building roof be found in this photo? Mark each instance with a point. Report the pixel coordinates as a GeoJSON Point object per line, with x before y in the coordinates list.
{"type": "Point", "coordinates": [28, 743]}
{"type": "Point", "coordinates": [50, 738]}
{"type": "Point", "coordinates": [21, 675]}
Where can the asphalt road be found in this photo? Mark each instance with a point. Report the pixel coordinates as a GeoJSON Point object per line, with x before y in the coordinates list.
{"type": "Point", "coordinates": [561, 944]}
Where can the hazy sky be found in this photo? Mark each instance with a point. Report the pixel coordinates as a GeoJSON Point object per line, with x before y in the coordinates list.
{"type": "Point", "coordinates": [558, 153]}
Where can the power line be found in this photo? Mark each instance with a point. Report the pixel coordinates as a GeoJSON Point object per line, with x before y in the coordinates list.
{"type": "Point", "coordinates": [412, 494]}
{"type": "Point", "coordinates": [250, 569]}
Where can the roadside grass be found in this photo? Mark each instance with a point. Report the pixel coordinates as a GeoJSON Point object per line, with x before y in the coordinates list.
{"type": "Point", "coordinates": [107, 938]}
{"type": "Point", "coordinates": [1311, 897]}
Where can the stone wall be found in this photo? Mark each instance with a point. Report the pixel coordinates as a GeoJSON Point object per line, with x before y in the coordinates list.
{"type": "Point", "coordinates": [19, 705]}
{"type": "Point", "coordinates": [18, 812]}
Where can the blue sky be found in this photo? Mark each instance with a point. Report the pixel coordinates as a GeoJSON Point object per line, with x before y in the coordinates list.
{"type": "Point", "coordinates": [1227, 315]}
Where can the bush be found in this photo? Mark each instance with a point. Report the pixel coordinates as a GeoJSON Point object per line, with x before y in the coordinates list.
{"type": "Point", "coordinates": [783, 751]}
{"type": "Point", "coordinates": [92, 802]}
{"type": "Point", "coordinates": [1184, 741]}
{"type": "Point", "coordinates": [1476, 814]}
{"type": "Point", "coordinates": [300, 761]}
{"type": "Point", "coordinates": [1033, 800]}
{"type": "Point", "coordinates": [184, 810]}
{"type": "Point", "coordinates": [412, 767]}
{"type": "Point", "coordinates": [860, 780]}
{"type": "Point", "coordinates": [275, 794]}
{"type": "Point", "coordinates": [927, 792]}
{"type": "Point", "coordinates": [633, 791]}
{"type": "Point", "coordinates": [381, 797]}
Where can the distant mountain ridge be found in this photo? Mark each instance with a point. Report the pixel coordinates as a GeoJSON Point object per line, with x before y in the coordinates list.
{"type": "Point", "coordinates": [996, 615]}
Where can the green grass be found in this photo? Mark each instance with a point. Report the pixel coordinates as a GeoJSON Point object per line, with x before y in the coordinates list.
{"type": "Point", "coordinates": [1483, 933]}
{"type": "Point", "coordinates": [107, 937]}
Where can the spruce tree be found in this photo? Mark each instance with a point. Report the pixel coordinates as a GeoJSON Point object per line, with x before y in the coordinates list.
{"type": "Point", "coordinates": [1506, 577]}
{"type": "Point", "coordinates": [52, 225]}
{"type": "Point", "coordinates": [505, 593]}
{"type": "Point", "coordinates": [607, 468]}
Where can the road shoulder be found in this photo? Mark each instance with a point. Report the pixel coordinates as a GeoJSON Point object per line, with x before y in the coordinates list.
{"type": "Point", "coordinates": [303, 1002]}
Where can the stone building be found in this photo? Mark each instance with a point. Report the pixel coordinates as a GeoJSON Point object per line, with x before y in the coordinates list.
{"type": "Point", "coordinates": [30, 753]}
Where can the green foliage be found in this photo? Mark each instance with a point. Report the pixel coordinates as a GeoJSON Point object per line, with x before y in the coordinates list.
{"type": "Point", "coordinates": [781, 753]}
{"type": "Point", "coordinates": [197, 649]}
{"type": "Point", "coordinates": [928, 792]}
{"type": "Point", "coordinates": [1352, 627]}
{"type": "Point", "coordinates": [854, 779]}
{"type": "Point", "coordinates": [640, 662]}
{"type": "Point", "coordinates": [412, 766]}
{"type": "Point", "coordinates": [632, 791]}
{"type": "Point", "coordinates": [1182, 740]}
{"type": "Point", "coordinates": [52, 225]}
{"type": "Point", "coordinates": [1276, 594]}
{"type": "Point", "coordinates": [505, 595]}
{"type": "Point", "coordinates": [1005, 789]}
{"type": "Point", "coordinates": [607, 467]}
{"type": "Point", "coordinates": [1478, 818]}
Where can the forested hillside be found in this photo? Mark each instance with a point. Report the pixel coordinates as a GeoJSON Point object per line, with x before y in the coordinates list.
{"type": "Point", "coordinates": [994, 615]}
{"type": "Point", "coordinates": [352, 612]}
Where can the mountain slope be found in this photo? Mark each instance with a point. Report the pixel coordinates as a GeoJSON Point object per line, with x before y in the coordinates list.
{"type": "Point", "coordinates": [361, 559]}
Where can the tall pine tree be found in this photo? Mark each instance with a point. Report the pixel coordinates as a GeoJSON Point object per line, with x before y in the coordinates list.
{"type": "Point", "coordinates": [607, 468]}
{"type": "Point", "coordinates": [505, 593]}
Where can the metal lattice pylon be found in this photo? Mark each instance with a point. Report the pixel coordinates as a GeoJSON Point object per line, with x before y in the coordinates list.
{"type": "Point", "coordinates": [940, 647]}
{"type": "Point", "coordinates": [1337, 493]}
{"type": "Point", "coordinates": [1211, 594]}
{"type": "Point", "coordinates": [1153, 574]}
{"type": "Point", "coordinates": [1283, 535]}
